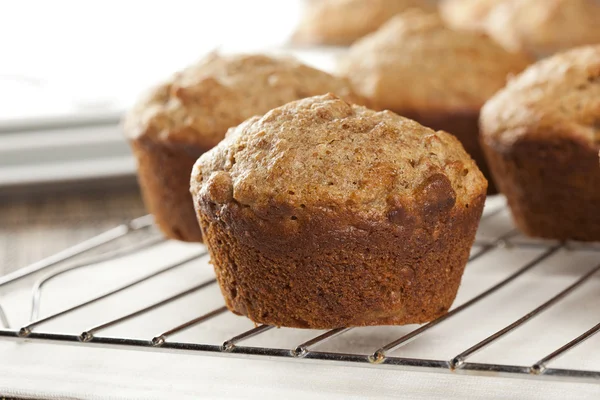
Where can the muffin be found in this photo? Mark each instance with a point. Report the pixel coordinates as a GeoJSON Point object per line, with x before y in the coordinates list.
{"type": "Point", "coordinates": [178, 121]}
{"type": "Point", "coordinates": [541, 135]}
{"type": "Point", "coordinates": [467, 14]}
{"type": "Point", "coordinates": [323, 214]}
{"type": "Point", "coordinates": [341, 22]}
{"type": "Point", "coordinates": [538, 27]}
{"type": "Point", "coordinates": [417, 67]}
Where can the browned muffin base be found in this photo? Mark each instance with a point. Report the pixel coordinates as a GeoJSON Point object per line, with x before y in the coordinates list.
{"type": "Point", "coordinates": [552, 187]}
{"type": "Point", "coordinates": [317, 270]}
{"type": "Point", "coordinates": [463, 125]}
{"type": "Point", "coordinates": [164, 177]}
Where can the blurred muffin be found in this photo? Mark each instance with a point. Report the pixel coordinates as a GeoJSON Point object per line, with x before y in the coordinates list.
{"type": "Point", "coordinates": [181, 119]}
{"type": "Point", "coordinates": [467, 14]}
{"type": "Point", "coordinates": [341, 22]}
{"type": "Point", "coordinates": [323, 214]}
{"type": "Point", "coordinates": [542, 138]}
{"type": "Point", "coordinates": [538, 27]}
{"type": "Point", "coordinates": [417, 67]}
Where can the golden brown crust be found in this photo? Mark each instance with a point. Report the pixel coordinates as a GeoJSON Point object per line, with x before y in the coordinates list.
{"type": "Point", "coordinates": [537, 27]}
{"type": "Point", "coordinates": [328, 153]}
{"type": "Point", "coordinates": [341, 22]}
{"type": "Point", "coordinates": [541, 136]}
{"type": "Point", "coordinates": [178, 121]}
{"type": "Point", "coordinates": [322, 214]}
{"type": "Point", "coordinates": [455, 70]}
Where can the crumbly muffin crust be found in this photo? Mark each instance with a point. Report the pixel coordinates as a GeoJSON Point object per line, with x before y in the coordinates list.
{"type": "Point", "coordinates": [341, 22]}
{"type": "Point", "coordinates": [324, 214]}
{"type": "Point", "coordinates": [415, 62]}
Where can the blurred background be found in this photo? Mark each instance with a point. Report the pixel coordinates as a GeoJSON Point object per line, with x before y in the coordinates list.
{"type": "Point", "coordinates": [82, 63]}
{"type": "Point", "coordinates": [68, 71]}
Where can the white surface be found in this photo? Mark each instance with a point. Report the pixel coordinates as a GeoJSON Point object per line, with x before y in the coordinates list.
{"type": "Point", "coordinates": [67, 56]}
{"type": "Point", "coordinates": [36, 369]}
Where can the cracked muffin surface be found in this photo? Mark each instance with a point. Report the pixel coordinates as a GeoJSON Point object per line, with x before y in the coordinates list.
{"type": "Point", "coordinates": [324, 151]}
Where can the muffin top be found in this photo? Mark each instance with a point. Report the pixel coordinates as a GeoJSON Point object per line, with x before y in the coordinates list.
{"type": "Point", "coordinates": [341, 22]}
{"type": "Point", "coordinates": [467, 14]}
{"type": "Point", "coordinates": [538, 27]}
{"type": "Point", "coordinates": [199, 104]}
{"type": "Point", "coordinates": [324, 154]}
{"type": "Point", "coordinates": [415, 63]}
{"type": "Point", "coordinates": [556, 97]}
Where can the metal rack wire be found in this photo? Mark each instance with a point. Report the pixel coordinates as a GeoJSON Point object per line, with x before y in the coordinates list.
{"type": "Point", "coordinates": [379, 357]}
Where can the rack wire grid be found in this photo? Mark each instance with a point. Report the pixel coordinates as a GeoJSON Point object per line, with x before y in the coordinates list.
{"type": "Point", "coordinates": [495, 219]}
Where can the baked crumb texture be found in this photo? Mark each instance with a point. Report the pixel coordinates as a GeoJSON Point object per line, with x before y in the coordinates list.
{"type": "Point", "coordinates": [323, 214]}
{"type": "Point", "coordinates": [179, 120]}
{"type": "Point", "coordinates": [541, 135]}
{"type": "Point", "coordinates": [537, 27]}
{"type": "Point", "coordinates": [341, 22]}
{"type": "Point", "coordinates": [421, 69]}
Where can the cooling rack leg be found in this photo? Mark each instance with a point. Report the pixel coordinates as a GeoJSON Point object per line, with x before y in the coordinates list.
{"type": "Point", "coordinates": [96, 241]}
{"type": "Point", "coordinates": [26, 330]}
{"type": "Point", "coordinates": [36, 293]}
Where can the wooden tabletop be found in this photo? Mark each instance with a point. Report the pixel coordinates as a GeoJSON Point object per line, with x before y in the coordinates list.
{"type": "Point", "coordinates": [35, 227]}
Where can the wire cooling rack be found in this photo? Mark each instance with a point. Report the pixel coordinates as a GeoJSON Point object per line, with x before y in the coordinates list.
{"type": "Point", "coordinates": [509, 240]}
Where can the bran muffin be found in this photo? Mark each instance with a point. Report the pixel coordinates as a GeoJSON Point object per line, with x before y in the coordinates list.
{"type": "Point", "coordinates": [537, 27]}
{"type": "Point", "coordinates": [323, 214]}
{"type": "Point", "coordinates": [541, 135]}
{"type": "Point", "coordinates": [341, 22]}
{"type": "Point", "coordinates": [178, 121]}
{"type": "Point", "coordinates": [418, 68]}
